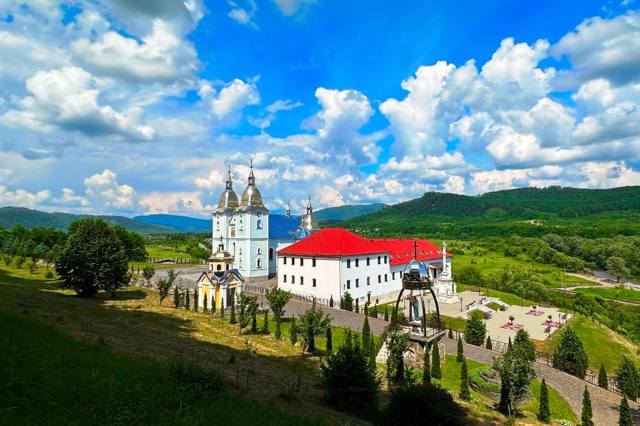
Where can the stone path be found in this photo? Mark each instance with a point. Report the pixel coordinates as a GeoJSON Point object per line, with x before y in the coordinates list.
{"type": "Point", "coordinates": [604, 403]}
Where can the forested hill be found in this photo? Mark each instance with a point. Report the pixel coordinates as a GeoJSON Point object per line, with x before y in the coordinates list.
{"type": "Point", "coordinates": [11, 216]}
{"type": "Point", "coordinates": [346, 212]}
{"type": "Point", "coordinates": [525, 211]}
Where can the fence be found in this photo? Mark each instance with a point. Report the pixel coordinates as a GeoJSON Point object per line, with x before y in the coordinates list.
{"type": "Point", "coordinates": [176, 260]}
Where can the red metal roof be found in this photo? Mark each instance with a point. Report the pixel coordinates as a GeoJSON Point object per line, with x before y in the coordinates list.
{"type": "Point", "coordinates": [341, 242]}
{"type": "Point", "coordinates": [332, 242]}
{"type": "Point", "coordinates": [401, 250]}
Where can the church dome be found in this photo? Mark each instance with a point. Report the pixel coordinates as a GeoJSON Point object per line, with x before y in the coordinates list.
{"type": "Point", "coordinates": [251, 198]}
{"type": "Point", "coordinates": [309, 223]}
{"type": "Point", "coordinates": [228, 201]}
{"type": "Point", "coordinates": [417, 269]}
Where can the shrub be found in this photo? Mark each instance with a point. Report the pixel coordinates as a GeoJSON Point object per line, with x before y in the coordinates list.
{"type": "Point", "coordinates": [293, 331]}
{"type": "Point", "coordinates": [414, 404]}
{"type": "Point", "coordinates": [49, 274]}
{"type": "Point", "coordinates": [586, 416]}
{"type": "Point", "coordinates": [265, 322]}
{"type": "Point", "coordinates": [476, 329]}
{"type": "Point", "coordinates": [544, 414]}
{"type": "Point", "coordinates": [628, 378]}
{"type": "Point", "coordinates": [626, 418]}
{"type": "Point", "coordinates": [192, 382]}
{"type": "Point", "coordinates": [465, 393]}
{"type": "Point", "coordinates": [460, 352]}
{"type": "Point", "coordinates": [488, 344]}
{"type": "Point", "coordinates": [176, 297]}
{"type": "Point", "coordinates": [603, 380]}
{"type": "Point", "coordinates": [426, 366]}
{"type": "Point", "coordinates": [435, 362]}
{"type": "Point", "coordinates": [569, 355]}
{"type": "Point", "coordinates": [329, 335]}
{"type": "Point", "coordinates": [311, 323]}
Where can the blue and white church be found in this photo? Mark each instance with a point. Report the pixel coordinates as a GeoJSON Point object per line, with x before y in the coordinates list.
{"type": "Point", "coordinates": [251, 234]}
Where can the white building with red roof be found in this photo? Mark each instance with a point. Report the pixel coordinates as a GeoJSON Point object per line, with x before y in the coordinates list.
{"type": "Point", "coordinates": [333, 261]}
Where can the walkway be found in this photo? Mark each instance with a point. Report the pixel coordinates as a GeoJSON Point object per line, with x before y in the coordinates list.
{"type": "Point", "coordinates": [604, 403]}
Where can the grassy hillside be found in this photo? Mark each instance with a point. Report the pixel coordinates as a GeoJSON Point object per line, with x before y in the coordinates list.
{"type": "Point", "coordinates": [525, 211]}
{"type": "Point", "coordinates": [332, 214]}
{"type": "Point", "coordinates": [11, 216]}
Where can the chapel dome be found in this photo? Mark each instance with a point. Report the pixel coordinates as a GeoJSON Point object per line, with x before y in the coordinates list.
{"type": "Point", "coordinates": [251, 198]}
{"type": "Point", "coordinates": [228, 201]}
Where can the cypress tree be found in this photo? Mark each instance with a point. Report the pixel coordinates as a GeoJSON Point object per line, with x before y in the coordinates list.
{"type": "Point", "coordinates": [213, 305]}
{"type": "Point", "coordinates": [626, 419]}
{"type": "Point", "coordinates": [329, 345]}
{"type": "Point", "coordinates": [503, 405]}
{"type": "Point", "coordinates": [386, 312]}
{"type": "Point", "coordinates": [435, 362]}
{"type": "Point", "coordinates": [586, 417]}
{"type": "Point", "coordinates": [265, 323]}
{"type": "Point", "coordinates": [509, 345]}
{"type": "Point", "coordinates": [187, 300]}
{"type": "Point", "coordinates": [232, 315]}
{"type": "Point", "coordinates": [489, 345]}
{"type": "Point", "coordinates": [331, 301]}
{"type": "Point", "coordinates": [176, 297]}
{"type": "Point", "coordinates": [603, 380]}
{"type": "Point", "coordinates": [293, 331]}
{"type": "Point", "coordinates": [545, 412]}
{"type": "Point", "coordinates": [426, 367]}
{"type": "Point", "coordinates": [221, 308]}
{"type": "Point", "coordinates": [357, 307]}
{"type": "Point", "coordinates": [465, 393]}
{"type": "Point", "coordinates": [195, 299]}
{"type": "Point", "coordinates": [366, 334]}
{"type": "Point", "coordinates": [254, 320]}
{"type": "Point", "coordinates": [460, 354]}
{"type": "Point", "coordinates": [450, 333]}
{"type": "Point", "coordinates": [205, 307]}
{"type": "Point", "coordinates": [373, 352]}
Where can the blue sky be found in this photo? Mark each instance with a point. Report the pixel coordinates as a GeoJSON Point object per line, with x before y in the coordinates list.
{"type": "Point", "coordinates": [133, 107]}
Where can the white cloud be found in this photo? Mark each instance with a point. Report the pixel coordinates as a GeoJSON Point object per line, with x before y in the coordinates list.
{"type": "Point", "coordinates": [608, 174]}
{"type": "Point", "coordinates": [455, 185]}
{"type": "Point", "coordinates": [215, 179]}
{"type": "Point", "coordinates": [232, 99]}
{"type": "Point", "coordinates": [67, 98]}
{"type": "Point", "coordinates": [174, 202]}
{"type": "Point", "coordinates": [243, 14]}
{"type": "Point", "coordinates": [104, 192]}
{"type": "Point", "coordinates": [271, 111]}
{"type": "Point", "coordinates": [21, 197]}
{"type": "Point", "coordinates": [291, 7]}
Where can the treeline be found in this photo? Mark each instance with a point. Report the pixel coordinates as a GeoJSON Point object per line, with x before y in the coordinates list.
{"type": "Point", "coordinates": [46, 244]}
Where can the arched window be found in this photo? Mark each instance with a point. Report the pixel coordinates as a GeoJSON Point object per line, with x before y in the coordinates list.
{"type": "Point", "coordinates": [259, 224]}
{"type": "Point", "coordinates": [219, 267]}
{"type": "Point", "coordinates": [259, 250]}
{"type": "Point", "coordinates": [271, 254]}
{"type": "Point", "coordinates": [259, 263]}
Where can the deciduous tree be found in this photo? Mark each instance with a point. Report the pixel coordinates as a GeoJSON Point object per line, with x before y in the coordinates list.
{"type": "Point", "coordinates": [311, 323]}
{"type": "Point", "coordinates": [278, 299]}
{"type": "Point", "coordinates": [476, 329]}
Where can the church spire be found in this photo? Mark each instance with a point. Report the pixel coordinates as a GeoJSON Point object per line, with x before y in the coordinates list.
{"type": "Point", "coordinates": [252, 179]}
{"type": "Point", "coordinates": [229, 184]}
{"type": "Point", "coordinates": [309, 208]}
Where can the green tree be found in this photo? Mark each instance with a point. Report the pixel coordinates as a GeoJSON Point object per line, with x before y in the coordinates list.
{"type": "Point", "coordinates": [628, 378]}
{"type": "Point", "coordinates": [488, 344]}
{"type": "Point", "coordinates": [586, 418]}
{"type": "Point", "coordinates": [516, 372]}
{"type": "Point", "coordinates": [569, 354]}
{"type": "Point", "coordinates": [278, 299]}
{"type": "Point", "coordinates": [195, 299]}
{"type": "Point", "coordinates": [450, 335]}
{"type": "Point", "coordinates": [163, 289]}
{"type": "Point", "coordinates": [132, 243]}
{"type": "Point", "coordinates": [213, 305]}
{"type": "Point", "coordinates": [349, 383]}
{"type": "Point", "coordinates": [346, 303]}
{"type": "Point", "coordinates": [435, 362]}
{"type": "Point", "coordinates": [93, 259]}
{"type": "Point", "coordinates": [366, 335]}
{"type": "Point", "coordinates": [626, 418]}
{"type": "Point", "coordinates": [616, 266]}
{"type": "Point", "coordinates": [426, 365]}
{"type": "Point", "coordinates": [176, 297]}
{"type": "Point", "coordinates": [476, 329]}
{"type": "Point", "coordinates": [147, 273]}
{"type": "Point", "coordinates": [221, 308]}
{"type": "Point", "coordinates": [329, 335]}
{"type": "Point", "coordinates": [465, 393]}
{"type": "Point", "coordinates": [397, 345]}
{"type": "Point", "coordinates": [460, 353]}
{"type": "Point", "coordinates": [331, 301]}
{"type": "Point", "coordinates": [293, 331]}
{"type": "Point", "coordinates": [312, 322]}
{"type": "Point", "coordinates": [544, 413]}
{"type": "Point", "coordinates": [523, 343]}
{"type": "Point", "coordinates": [187, 300]}
{"type": "Point", "coordinates": [422, 404]}
{"type": "Point", "coordinates": [265, 322]}
{"type": "Point", "coordinates": [232, 314]}
{"type": "Point", "coordinates": [205, 304]}
{"type": "Point", "coordinates": [386, 313]}
{"type": "Point", "coordinates": [603, 379]}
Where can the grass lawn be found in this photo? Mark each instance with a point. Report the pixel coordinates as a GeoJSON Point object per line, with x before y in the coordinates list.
{"type": "Point", "coordinates": [134, 326]}
{"type": "Point", "coordinates": [601, 344]}
{"type": "Point", "coordinates": [456, 323]}
{"type": "Point", "coordinates": [166, 250]}
{"type": "Point", "coordinates": [560, 408]}
{"type": "Point", "coordinates": [625, 294]}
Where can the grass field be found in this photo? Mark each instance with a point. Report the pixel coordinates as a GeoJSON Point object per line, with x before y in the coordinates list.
{"type": "Point", "coordinates": [494, 261]}
{"type": "Point", "coordinates": [624, 294]}
{"type": "Point", "coordinates": [166, 250]}
{"type": "Point", "coordinates": [601, 344]}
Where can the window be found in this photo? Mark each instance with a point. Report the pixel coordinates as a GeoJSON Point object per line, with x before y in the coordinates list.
{"type": "Point", "coordinates": [393, 276]}
{"type": "Point", "coordinates": [313, 262]}
{"type": "Point", "coordinates": [357, 262]}
{"type": "Point", "coordinates": [270, 254]}
{"type": "Point", "coordinates": [301, 261]}
{"type": "Point", "coordinates": [293, 279]}
{"type": "Point", "coordinates": [379, 279]}
{"type": "Point", "coordinates": [301, 280]}
{"type": "Point", "coordinates": [259, 224]}
{"type": "Point", "coordinates": [348, 263]}
{"type": "Point", "coordinates": [385, 278]}
{"type": "Point", "coordinates": [259, 250]}
{"type": "Point", "coordinates": [385, 260]}
{"type": "Point", "coordinates": [368, 280]}
{"type": "Point", "coordinates": [378, 260]}
{"type": "Point", "coordinates": [313, 282]}
{"type": "Point", "coordinates": [348, 284]}
{"type": "Point", "coordinates": [357, 282]}
{"type": "Point", "coordinates": [284, 278]}
{"type": "Point", "coordinates": [218, 267]}
{"type": "Point", "coordinates": [284, 260]}
{"type": "Point", "coordinates": [217, 225]}
{"type": "Point", "coordinates": [240, 251]}
{"type": "Point", "coordinates": [259, 263]}
{"type": "Point", "coordinates": [368, 261]}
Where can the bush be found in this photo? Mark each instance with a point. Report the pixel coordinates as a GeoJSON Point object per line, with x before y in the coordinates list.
{"type": "Point", "coordinates": [603, 379]}
{"type": "Point", "coordinates": [476, 329]}
{"type": "Point", "coordinates": [628, 378]}
{"type": "Point", "coordinates": [193, 382]}
{"type": "Point", "coordinates": [421, 404]}
{"type": "Point", "coordinates": [545, 412]}
{"type": "Point", "coordinates": [49, 274]}
{"type": "Point", "coordinates": [569, 355]}
{"type": "Point", "coordinates": [349, 384]}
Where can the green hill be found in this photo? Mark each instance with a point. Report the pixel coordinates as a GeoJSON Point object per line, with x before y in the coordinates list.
{"type": "Point", "coordinates": [11, 216]}
{"type": "Point", "coordinates": [525, 211]}
{"type": "Point", "coordinates": [346, 212]}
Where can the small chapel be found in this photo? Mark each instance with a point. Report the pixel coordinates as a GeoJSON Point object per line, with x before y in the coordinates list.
{"type": "Point", "coordinates": [221, 284]}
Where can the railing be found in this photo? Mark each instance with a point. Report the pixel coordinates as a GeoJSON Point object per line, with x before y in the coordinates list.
{"type": "Point", "coordinates": [176, 260]}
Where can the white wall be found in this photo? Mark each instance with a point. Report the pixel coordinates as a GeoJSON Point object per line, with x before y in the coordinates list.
{"type": "Point", "coordinates": [354, 278]}
{"type": "Point", "coordinates": [326, 273]}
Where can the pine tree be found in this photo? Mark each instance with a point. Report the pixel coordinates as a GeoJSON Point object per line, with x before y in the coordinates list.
{"type": "Point", "coordinates": [331, 301]}
{"type": "Point", "coordinates": [426, 367]}
{"type": "Point", "coordinates": [254, 320]}
{"type": "Point", "coordinates": [603, 380]}
{"type": "Point", "coordinates": [586, 418]}
{"type": "Point", "coordinates": [221, 308]}
{"type": "Point", "coordinates": [386, 312]}
{"type": "Point", "coordinates": [265, 323]}
{"type": "Point", "coordinates": [187, 300]}
{"type": "Point", "coordinates": [435, 362]}
{"type": "Point", "coordinates": [489, 345]}
{"type": "Point", "coordinates": [460, 354]}
{"type": "Point", "coordinates": [232, 315]}
{"type": "Point", "coordinates": [373, 352]}
{"type": "Point", "coordinates": [195, 299]}
{"type": "Point", "coordinates": [509, 345]}
{"type": "Point", "coordinates": [176, 297]}
{"type": "Point", "coordinates": [366, 334]}
{"type": "Point", "coordinates": [465, 393]}
{"type": "Point", "coordinates": [205, 307]}
{"type": "Point", "coordinates": [626, 419]}
{"type": "Point", "coordinates": [329, 345]}
{"type": "Point", "coordinates": [545, 413]}
{"type": "Point", "coordinates": [293, 331]}
{"type": "Point", "coordinates": [450, 333]}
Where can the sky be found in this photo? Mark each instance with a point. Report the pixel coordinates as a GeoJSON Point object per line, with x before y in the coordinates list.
{"type": "Point", "coordinates": [138, 106]}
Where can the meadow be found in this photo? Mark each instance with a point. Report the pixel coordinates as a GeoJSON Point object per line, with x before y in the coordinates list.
{"type": "Point", "coordinates": [624, 294]}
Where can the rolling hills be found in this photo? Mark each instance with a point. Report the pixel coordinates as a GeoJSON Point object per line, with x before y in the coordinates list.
{"type": "Point", "coordinates": [346, 212]}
